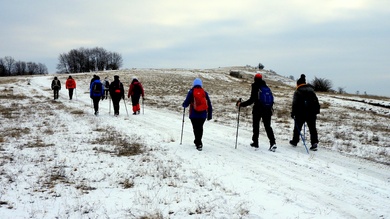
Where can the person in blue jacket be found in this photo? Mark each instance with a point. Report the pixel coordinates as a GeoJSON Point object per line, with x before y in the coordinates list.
{"type": "Point", "coordinates": [96, 92]}
{"type": "Point", "coordinates": [200, 110]}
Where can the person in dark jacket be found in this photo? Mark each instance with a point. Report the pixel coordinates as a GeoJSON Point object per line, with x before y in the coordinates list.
{"type": "Point", "coordinates": [96, 92]}
{"type": "Point", "coordinates": [117, 93]}
{"type": "Point", "coordinates": [56, 86]}
{"type": "Point", "coordinates": [305, 107]}
{"type": "Point", "coordinates": [259, 112]}
{"type": "Point", "coordinates": [198, 118]}
{"type": "Point", "coordinates": [135, 92]}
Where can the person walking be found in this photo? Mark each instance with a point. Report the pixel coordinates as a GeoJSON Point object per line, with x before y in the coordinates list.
{"type": "Point", "coordinates": [70, 84]}
{"type": "Point", "coordinates": [305, 107]}
{"type": "Point", "coordinates": [200, 110]}
{"type": "Point", "coordinates": [96, 93]}
{"type": "Point", "coordinates": [117, 93]}
{"type": "Point", "coordinates": [135, 92]}
{"type": "Point", "coordinates": [56, 86]}
{"type": "Point", "coordinates": [261, 110]}
{"type": "Point", "coordinates": [106, 85]}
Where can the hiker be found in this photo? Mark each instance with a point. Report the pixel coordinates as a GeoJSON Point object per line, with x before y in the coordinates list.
{"type": "Point", "coordinates": [117, 93]}
{"type": "Point", "coordinates": [200, 110]}
{"type": "Point", "coordinates": [92, 80]}
{"type": "Point", "coordinates": [305, 107]}
{"type": "Point", "coordinates": [135, 92]}
{"type": "Point", "coordinates": [106, 85]}
{"type": "Point", "coordinates": [261, 110]}
{"type": "Point", "coordinates": [56, 86]}
{"type": "Point", "coordinates": [96, 93]}
{"type": "Point", "coordinates": [70, 84]}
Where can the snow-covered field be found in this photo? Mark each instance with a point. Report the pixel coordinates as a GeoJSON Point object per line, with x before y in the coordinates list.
{"type": "Point", "coordinates": [58, 160]}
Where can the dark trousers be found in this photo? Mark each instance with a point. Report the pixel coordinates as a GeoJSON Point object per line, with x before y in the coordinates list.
{"type": "Point", "coordinates": [267, 125]}
{"type": "Point", "coordinates": [115, 103]}
{"type": "Point", "coordinates": [135, 102]}
{"type": "Point", "coordinates": [70, 93]}
{"type": "Point", "coordinates": [311, 123]}
{"type": "Point", "coordinates": [106, 93]}
{"type": "Point", "coordinates": [197, 125]}
{"type": "Point", "coordinates": [96, 103]}
{"type": "Point", "coordinates": [55, 93]}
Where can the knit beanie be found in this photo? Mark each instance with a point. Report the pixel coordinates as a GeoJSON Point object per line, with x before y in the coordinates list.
{"type": "Point", "coordinates": [197, 82]}
{"type": "Point", "coordinates": [301, 80]}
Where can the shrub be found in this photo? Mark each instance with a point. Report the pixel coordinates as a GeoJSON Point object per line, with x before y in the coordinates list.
{"type": "Point", "coordinates": [321, 84]}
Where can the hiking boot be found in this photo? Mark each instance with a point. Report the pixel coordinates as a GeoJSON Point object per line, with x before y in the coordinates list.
{"type": "Point", "coordinates": [293, 143]}
{"type": "Point", "coordinates": [96, 113]}
{"type": "Point", "coordinates": [272, 148]}
{"type": "Point", "coordinates": [255, 145]}
{"type": "Point", "coordinates": [314, 147]}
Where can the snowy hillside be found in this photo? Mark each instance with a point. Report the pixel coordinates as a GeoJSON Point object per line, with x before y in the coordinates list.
{"type": "Point", "coordinates": [58, 160]}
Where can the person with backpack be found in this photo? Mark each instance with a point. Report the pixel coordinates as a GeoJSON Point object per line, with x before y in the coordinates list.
{"type": "Point", "coordinates": [96, 93]}
{"type": "Point", "coordinates": [135, 92]}
{"type": "Point", "coordinates": [305, 107]}
{"type": "Point", "coordinates": [262, 100]}
{"type": "Point", "coordinates": [117, 93]}
{"type": "Point", "coordinates": [200, 110]}
{"type": "Point", "coordinates": [106, 84]}
{"type": "Point", "coordinates": [70, 84]}
{"type": "Point", "coordinates": [56, 86]}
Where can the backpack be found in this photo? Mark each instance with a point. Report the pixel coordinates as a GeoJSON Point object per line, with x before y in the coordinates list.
{"type": "Point", "coordinates": [97, 88]}
{"type": "Point", "coordinates": [56, 84]}
{"type": "Point", "coordinates": [265, 97]}
{"type": "Point", "coordinates": [200, 102]}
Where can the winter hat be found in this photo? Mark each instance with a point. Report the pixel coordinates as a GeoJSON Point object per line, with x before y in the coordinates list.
{"type": "Point", "coordinates": [70, 77]}
{"type": "Point", "coordinates": [55, 78]}
{"type": "Point", "coordinates": [116, 77]}
{"type": "Point", "coordinates": [302, 79]}
{"type": "Point", "coordinates": [197, 82]}
{"type": "Point", "coordinates": [258, 75]}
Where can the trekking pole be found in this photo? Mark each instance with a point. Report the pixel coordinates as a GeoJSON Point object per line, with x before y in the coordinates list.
{"type": "Point", "coordinates": [238, 121]}
{"type": "Point", "coordinates": [304, 130]}
{"type": "Point", "coordinates": [109, 105]}
{"type": "Point", "coordinates": [182, 126]}
{"type": "Point", "coordinates": [143, 106]}
{"type": "Point", "coordinates": [303, 139]}
{"type": "Point", "coordinates": [125, 106]}
{"type": "Point", "coordinates": [75, 92]}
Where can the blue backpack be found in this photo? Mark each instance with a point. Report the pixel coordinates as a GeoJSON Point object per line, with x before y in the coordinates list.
{"type": "Point", "coordinates": [265, 97]}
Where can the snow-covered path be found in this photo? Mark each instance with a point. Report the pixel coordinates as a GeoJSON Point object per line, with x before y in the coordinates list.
{"type": "Point", "coordinates": [219, 182]}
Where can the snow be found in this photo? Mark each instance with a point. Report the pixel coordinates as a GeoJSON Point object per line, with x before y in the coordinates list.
{"type": "Point", "coordinates": [58, 160]}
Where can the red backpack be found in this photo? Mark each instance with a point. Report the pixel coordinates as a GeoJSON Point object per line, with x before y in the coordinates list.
{"type": "Point", "coordinates": [200, 102]}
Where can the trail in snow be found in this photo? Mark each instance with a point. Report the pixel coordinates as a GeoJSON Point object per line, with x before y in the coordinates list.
{"type": "Point", "coordinates": [286, 184]}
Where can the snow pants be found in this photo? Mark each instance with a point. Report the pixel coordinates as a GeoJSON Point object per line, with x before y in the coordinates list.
{"type": "Point", "coordinates": [115, 103]}
{"type": "Point", "coordinates": [266, 116]}
{"type": "Point", "coordinates": [55, 91]}
{"type": "Point", "coordinates": [96, 103]}
{"type": "Point", "coordinates": [197, 125]}
{"type": "Point", "coordinates": [135, 103]}
{"type": "Point", "coordinates": [70, 93]}
{"type": "Point", "coordinates": [311, 123]}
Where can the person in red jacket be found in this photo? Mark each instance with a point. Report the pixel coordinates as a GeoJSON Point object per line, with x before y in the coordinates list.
{"type": "Point", "coordinates": [135, 92]}
{"type": "Point", "coordinates": [70, 84]}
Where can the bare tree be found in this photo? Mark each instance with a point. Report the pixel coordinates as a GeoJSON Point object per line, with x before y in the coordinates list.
{"type": "Point", "coordinates": [20, 68]}
{"type": "Point", "coordinates": [9, 64]}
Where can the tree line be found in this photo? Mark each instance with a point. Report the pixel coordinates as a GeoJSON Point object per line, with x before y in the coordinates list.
{"type": "Point", "coordinates": [10, 67]}
{"type": "Point", "coordinates": [86, 60]}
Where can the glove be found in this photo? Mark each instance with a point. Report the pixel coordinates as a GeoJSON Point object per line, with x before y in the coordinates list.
{"type": "Point", "coordinates": [238, 102]}
{"type": "Point", "coordinates": [292, 115]}
{"type": "Point", "coordinates": [208, 118]}
{"type": "Point", "coordinates": [103, 97]}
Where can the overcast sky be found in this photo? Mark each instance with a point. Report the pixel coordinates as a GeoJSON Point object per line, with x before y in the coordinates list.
{"type": "Point", "coordinates": [345, 41]}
